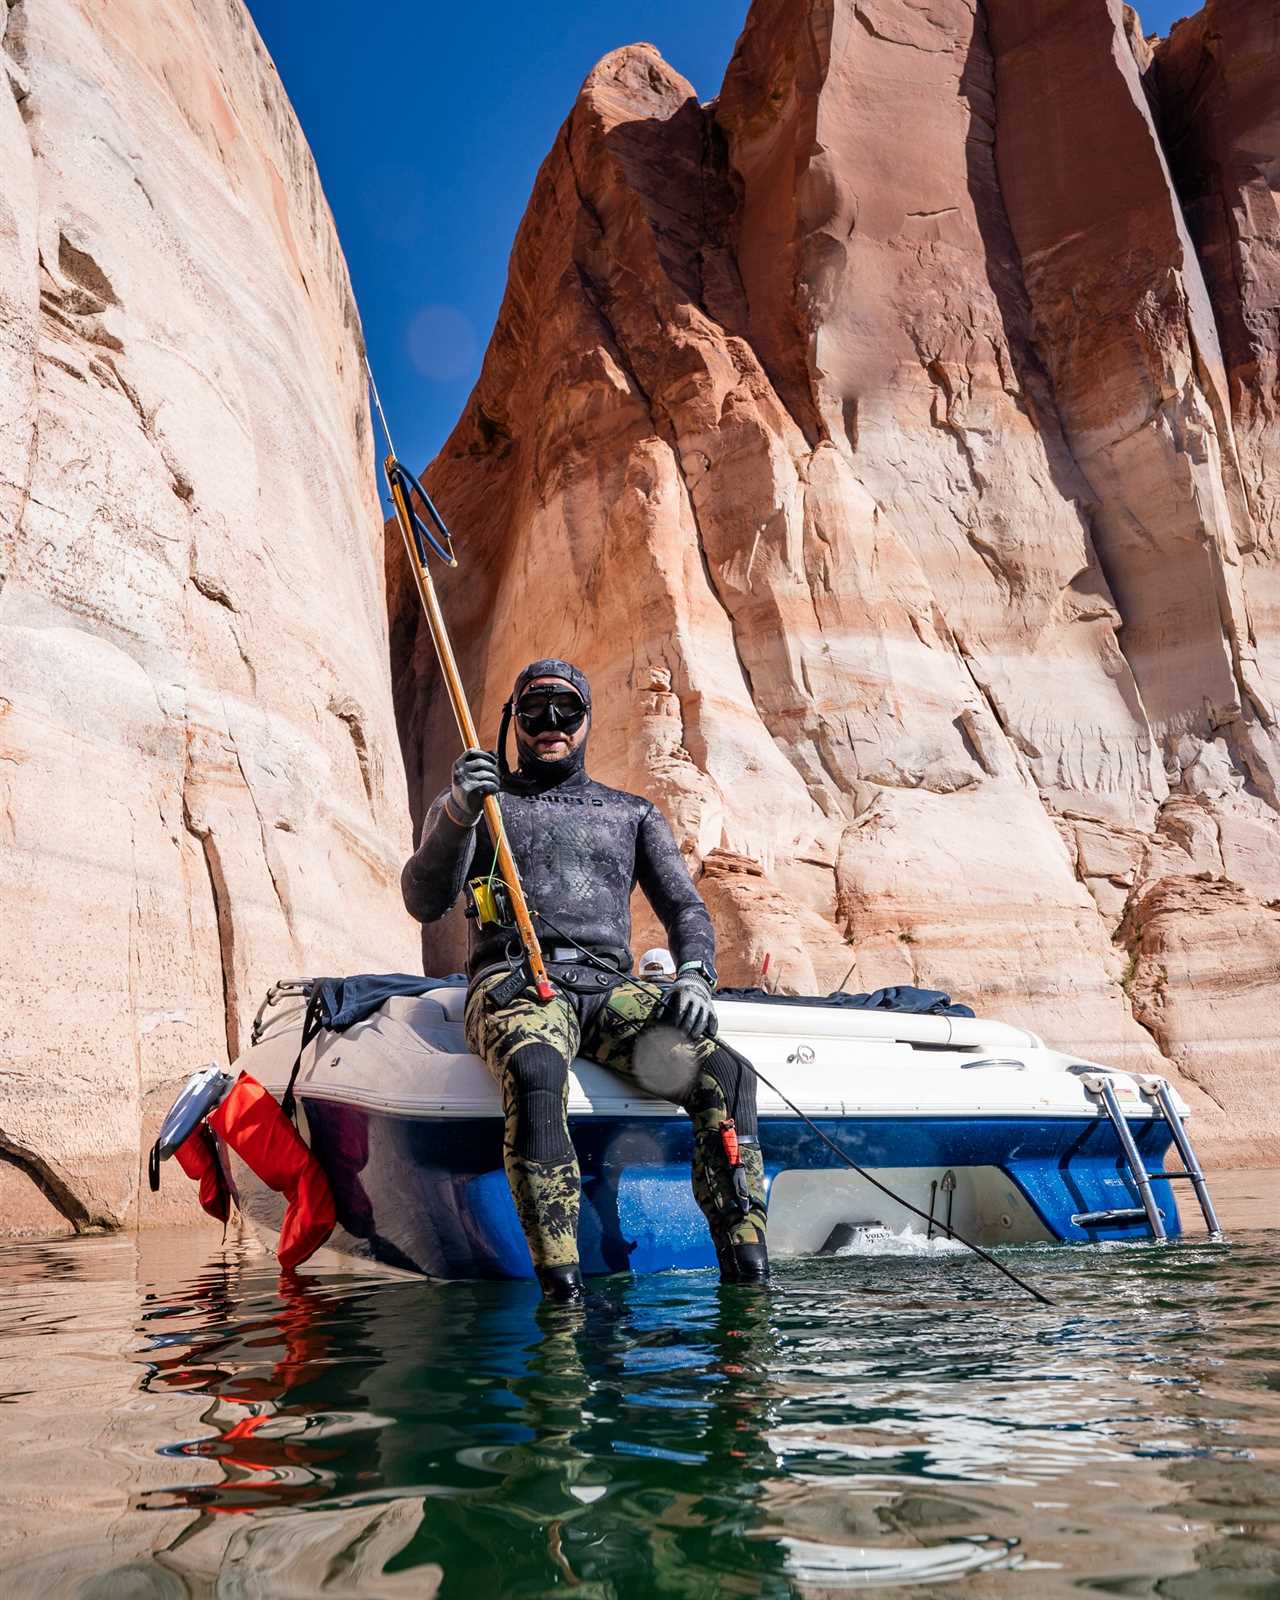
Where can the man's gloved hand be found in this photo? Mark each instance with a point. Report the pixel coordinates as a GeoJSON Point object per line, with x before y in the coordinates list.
{"type": "Point", "coordinates": [475, 775]}
{"type": "Point", "coordinates": [689, 1007]}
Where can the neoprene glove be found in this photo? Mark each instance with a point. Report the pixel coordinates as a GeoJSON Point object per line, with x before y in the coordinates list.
{"type": "Point", "coordinates": [689, 1007]}
{"type": "Point", "coordinates": [475, 775]}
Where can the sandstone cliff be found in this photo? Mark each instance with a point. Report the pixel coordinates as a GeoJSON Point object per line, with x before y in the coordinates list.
{"type": "Point", "coordinates": [200, 786]}
{"type": "Point", "coordinates": [898, 456]}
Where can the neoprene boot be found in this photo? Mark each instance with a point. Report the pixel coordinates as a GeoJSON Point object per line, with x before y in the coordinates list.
{"type": "Point", "coordinates": [743, 1263]}
{"type": "Point", "coordinates": [561, 1284]}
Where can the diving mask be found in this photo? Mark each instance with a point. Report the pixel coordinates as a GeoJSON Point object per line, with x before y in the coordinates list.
{"type": "Point", "coordinates": [551, 710]}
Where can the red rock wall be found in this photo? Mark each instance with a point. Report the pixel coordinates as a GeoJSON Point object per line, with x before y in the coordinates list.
{"type": "Point", "coordinates": [200, 784]}
{"type": "Point", "coordinates": [1214, 84]}
{"type": "Point", "coordinates": [871, 436]}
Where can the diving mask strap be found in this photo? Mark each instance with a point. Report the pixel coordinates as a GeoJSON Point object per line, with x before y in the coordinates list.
{"type": "Point", "coordinates": [504, 771]}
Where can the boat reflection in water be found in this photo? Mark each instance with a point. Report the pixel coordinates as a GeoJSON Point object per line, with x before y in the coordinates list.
{"type": "Point", "coordinates": [388, 1433]}
{"type": "Point", "coordinates": [461, 1426]}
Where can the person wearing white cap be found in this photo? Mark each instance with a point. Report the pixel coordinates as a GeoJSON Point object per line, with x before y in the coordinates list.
{"type": "Point", "coordinates": [658, 963]}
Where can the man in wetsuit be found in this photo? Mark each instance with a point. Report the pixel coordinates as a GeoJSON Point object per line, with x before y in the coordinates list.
{"type": "Point", "coordinates": [580, 849]}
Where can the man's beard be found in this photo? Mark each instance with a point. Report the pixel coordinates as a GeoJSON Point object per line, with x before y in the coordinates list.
{"type": "Point", "coordinates": [544, 772]}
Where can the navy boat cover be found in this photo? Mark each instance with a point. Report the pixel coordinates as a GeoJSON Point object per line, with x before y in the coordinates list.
{"type": "Point", "coordinates": [344, 1001]}
{"type": "Point", "coordinates": [900, 997]}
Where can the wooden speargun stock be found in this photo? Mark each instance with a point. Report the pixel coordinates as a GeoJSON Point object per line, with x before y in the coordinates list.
{"type": "Point", "coordinates": [418, 538]}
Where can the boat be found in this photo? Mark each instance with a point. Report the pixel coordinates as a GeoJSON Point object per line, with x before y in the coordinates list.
{"type": "Point", "coordinates": [981, 1127]}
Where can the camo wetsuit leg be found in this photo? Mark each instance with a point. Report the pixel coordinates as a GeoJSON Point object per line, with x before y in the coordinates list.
{"type": "Point", "coordinates": [528, 1046]}
{"type": "Point", "coordinates": [711, 1087]}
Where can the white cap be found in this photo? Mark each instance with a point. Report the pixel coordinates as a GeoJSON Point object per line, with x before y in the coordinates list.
{"type": "Point", "coordinates": [657, 963]}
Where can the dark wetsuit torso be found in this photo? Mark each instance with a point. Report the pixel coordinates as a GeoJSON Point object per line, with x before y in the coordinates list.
{"type": "Point", "coordinates": [580, 848]}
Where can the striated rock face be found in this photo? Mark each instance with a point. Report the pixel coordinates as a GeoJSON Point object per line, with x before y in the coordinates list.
{"type": "Point", "coordinates": [895, 456]}
{"type": "Point", "coordinates": [1214, 81]}
{"type": "Point", "coordinates": [200, 788]}
{"type": "Point", "coordinates": [1167, 433]}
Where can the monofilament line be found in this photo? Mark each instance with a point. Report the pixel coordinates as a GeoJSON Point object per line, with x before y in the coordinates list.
{"type": "Point", "coordinates": [377, 400]}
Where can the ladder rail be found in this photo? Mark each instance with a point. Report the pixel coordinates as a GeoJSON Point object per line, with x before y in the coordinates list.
{"type": "Point", "coordinates": [1107, 1219]}
{"type": "Point", "coordinates": [1137, 1166]}
{"type": "Point", "coordinates": [1159, 1092]}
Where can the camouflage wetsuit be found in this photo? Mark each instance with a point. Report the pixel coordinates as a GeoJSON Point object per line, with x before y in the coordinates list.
{"type": "Point", "coordinates": [604, 1027]}
{"type": "Point", "coordinates": [581, 848]}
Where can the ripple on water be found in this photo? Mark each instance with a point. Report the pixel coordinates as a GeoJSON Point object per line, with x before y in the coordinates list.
{"type": "Point", "coordinates": [179, 1422]}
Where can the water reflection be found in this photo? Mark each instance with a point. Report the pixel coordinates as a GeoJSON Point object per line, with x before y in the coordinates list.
{"type": "Point", "coordinates": [871, 1425]}
{"type": "Point", "coordinates": [630, 1435]}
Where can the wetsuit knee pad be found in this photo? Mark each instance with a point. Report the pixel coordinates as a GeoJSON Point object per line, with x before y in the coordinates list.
{"type": "Point", "coordinates": [537, 1073]}
{"type": "Point", "coordinates": [738, 1085]}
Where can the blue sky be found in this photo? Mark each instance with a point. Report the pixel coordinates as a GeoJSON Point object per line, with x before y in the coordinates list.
{"type": "Point", "coordinates": [428, 123]}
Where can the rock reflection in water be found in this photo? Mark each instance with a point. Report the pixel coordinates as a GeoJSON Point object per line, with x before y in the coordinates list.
{"type": "Point", "coordinates": [875, 1424]}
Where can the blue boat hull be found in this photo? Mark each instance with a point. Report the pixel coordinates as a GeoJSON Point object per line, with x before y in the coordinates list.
{"type": "Point", "coordinates": [431, 1196]}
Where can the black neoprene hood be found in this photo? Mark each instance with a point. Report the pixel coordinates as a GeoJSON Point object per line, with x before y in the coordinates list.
{"type": "Point", "coordinates": [531, 771]}
{"type": "Point", "coordinates": [552, 668]}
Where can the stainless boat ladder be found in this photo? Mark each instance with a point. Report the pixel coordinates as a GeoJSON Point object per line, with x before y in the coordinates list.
{"type": "Point", "coordinates": [1157, 1093]}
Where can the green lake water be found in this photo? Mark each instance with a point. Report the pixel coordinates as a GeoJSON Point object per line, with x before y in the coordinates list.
{"type": "Point", "coordinates": [177, 1420]}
